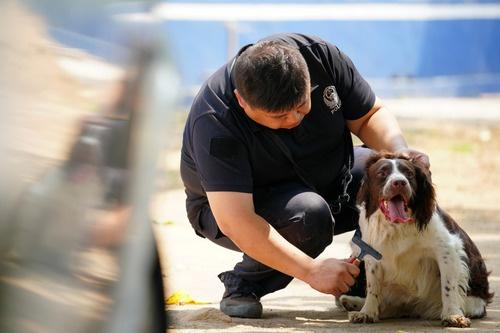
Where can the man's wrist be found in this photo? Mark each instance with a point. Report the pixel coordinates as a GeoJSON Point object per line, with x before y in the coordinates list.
{"type": "Point", "coordinates": [306, 270]}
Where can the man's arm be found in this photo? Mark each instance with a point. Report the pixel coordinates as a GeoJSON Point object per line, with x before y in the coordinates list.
{"type": "Point", "coordinates": [379, 130]}
{"type": "Point", "coordinates": [236, 217]}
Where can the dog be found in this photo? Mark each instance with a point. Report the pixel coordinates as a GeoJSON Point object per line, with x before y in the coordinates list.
{"type": "Point", "coordinates": [430, 268]}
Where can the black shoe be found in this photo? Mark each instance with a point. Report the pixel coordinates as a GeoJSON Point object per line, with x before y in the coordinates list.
{"type": "Point", "coordinates": [241, 305]}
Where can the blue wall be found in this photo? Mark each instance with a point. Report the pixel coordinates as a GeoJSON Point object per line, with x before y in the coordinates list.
{"type": "Point", "coordinates": [462, 55]}
{"type": "Point", "coordinates": [399, 58]}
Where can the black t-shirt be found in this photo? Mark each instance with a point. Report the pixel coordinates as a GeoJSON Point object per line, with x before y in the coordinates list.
{"type": "Point", "coordinates": [224, 150]}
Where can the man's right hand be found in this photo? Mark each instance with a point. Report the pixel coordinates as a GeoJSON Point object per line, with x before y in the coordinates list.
{"type": "Point", "coordinates": [332, 276]}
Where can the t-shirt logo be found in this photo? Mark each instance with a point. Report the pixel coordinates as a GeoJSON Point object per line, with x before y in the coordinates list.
{"type": "Point", "coordinates": [331, 98]}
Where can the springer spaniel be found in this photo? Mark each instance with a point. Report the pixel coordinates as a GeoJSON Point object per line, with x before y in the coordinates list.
{"type": "Point", "coordinates": [430, 267]}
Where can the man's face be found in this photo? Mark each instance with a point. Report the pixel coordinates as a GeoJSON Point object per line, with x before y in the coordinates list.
{"type": "Point", "coordinates": [276, 120]}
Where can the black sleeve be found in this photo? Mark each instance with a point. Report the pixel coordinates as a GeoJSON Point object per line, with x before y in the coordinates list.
{"type": "Point", "coordinates": [221, 159]}
{"type": "Point", "coordinates": [355, 93]}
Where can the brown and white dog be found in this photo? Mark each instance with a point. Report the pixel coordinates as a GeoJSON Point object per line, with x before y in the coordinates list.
{"type": "Point", "coordinates": [430, 267]}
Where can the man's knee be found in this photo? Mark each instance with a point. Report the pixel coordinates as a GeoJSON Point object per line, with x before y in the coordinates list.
{"type": "Point", "coordinates": [310, 223]}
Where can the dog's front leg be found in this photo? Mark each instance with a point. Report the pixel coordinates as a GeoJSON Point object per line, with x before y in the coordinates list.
{"type": "Point", "coordinates": [454, 282]}
{"type": "Point", "coordinates": [370, 311]}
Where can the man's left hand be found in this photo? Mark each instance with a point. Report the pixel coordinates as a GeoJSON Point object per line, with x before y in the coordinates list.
{"type": "Point", "coordinates": [416, 155]}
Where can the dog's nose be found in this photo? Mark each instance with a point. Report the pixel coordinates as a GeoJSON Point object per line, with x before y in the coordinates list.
{"type": "Point", "coordinates": [399, 183]}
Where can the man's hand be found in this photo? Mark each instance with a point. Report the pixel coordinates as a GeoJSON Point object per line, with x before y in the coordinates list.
{"type": "Point", "coordinates": [332, 276]}
{"type": "Point", "coordinates": [416, 155]}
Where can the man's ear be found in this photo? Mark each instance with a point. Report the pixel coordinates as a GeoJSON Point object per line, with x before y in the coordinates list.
{"type": "Point", "coordinates": [241, 100]}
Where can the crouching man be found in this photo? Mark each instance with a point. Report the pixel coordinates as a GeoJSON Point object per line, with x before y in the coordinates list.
{"type": "Point", "coordinates": [269, 166]}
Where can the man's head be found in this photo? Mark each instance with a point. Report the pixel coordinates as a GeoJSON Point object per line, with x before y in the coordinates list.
{"type": "Point", "coordinates": [272, 84]}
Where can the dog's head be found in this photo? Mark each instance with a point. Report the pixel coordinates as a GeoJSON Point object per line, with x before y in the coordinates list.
{"type": "Point", "coordinates": [400, 187]}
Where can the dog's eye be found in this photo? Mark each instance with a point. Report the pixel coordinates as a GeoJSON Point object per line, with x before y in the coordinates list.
{"type": "Point", "coordinates": [382, 174]}
{"type": "Point", "coordinates": [383, 171]}
{"type": "Point", "coordinates": [409, 174]}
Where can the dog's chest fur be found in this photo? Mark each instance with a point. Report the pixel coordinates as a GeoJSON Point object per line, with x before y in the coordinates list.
{"type": "Point", "coordinates": [410, 270]}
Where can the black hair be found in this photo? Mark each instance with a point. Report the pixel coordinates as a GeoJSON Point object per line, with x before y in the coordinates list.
{"type": "Point", "coordinates": [272, 76]}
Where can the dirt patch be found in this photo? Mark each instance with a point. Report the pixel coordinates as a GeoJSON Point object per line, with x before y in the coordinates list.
{"type": "Point", "coordinates": [205, 314]}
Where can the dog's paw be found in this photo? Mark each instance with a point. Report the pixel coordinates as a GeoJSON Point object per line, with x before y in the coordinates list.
{"type": "Point", "coordinates": [350, 303]}
{"type": "Point", "coordinates": [362, 318]}
{"type": "Point", "coordinates": [456, 321]}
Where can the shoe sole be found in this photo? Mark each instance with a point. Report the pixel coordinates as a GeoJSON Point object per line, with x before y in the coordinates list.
{"type": "Point", "coordinates": [242, 311]}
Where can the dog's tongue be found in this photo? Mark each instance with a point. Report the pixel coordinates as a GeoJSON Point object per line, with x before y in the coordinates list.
{"type": "Point", "coordinates": [397, 210]}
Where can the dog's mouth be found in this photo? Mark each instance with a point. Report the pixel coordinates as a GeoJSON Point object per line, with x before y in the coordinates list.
{"type": "Point", "coordinates": [395, 209]}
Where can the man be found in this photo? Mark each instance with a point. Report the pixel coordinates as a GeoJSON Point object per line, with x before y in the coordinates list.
{"type": "Point", "coordinates": [266, 163]}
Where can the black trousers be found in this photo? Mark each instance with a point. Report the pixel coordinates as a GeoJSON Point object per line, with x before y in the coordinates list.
{"type": "Point", "coordinates": [301, 216]}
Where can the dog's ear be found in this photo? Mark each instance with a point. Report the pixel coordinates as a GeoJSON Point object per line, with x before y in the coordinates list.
{"type": "Point", "coordinates": [424, 202]}
{"type": "Point", "coordinates": [365, 195]}
{"type": "Point", "coordinates": [363, 192]}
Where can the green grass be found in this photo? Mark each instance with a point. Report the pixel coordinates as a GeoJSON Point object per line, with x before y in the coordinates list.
{"type": "Point", "coordinates": [462, 148]}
